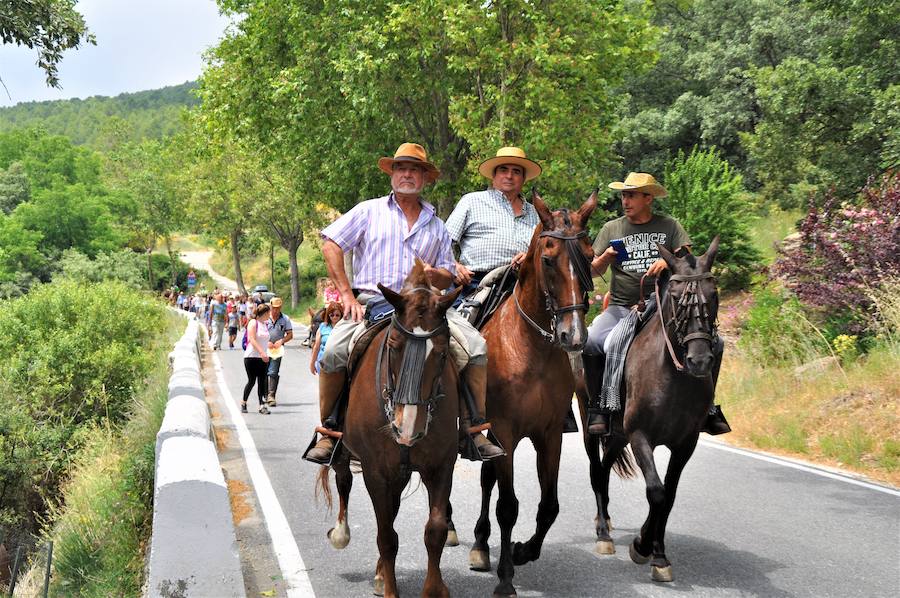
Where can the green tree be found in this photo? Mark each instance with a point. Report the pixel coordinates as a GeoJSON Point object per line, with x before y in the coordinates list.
{"type": "Point", "coordinates": [328, 88]}
{"type": "Point", "coordinates": [707, 196]}
{"type": "Point", "coordinates": [49, 26]}
{"type": "Point", "coordinates": [14, 187]}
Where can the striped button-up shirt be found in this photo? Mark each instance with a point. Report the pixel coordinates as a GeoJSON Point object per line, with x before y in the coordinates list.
{"type": "Point", "coordinates": [487, 230]}
{"type": "Point", "coordinates": [384, 247]}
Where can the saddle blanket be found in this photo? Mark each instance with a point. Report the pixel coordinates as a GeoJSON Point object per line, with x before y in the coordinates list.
{"type": "Point", "coordinates": [618, 343]}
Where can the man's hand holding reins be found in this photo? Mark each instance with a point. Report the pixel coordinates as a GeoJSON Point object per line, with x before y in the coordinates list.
{"type": "Point", "coordinates": [517, 260]}
{"type": "Point", "coordinates": [463, 275]}
{"type": "Point", "coordinates": [600, 263]}
{"type": "Point", "coordinates": [657, 267]}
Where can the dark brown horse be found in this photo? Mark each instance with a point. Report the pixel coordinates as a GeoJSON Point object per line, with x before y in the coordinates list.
{"type": "Point", "coordinates": [401, 417]}
{"type": "Point", "coordinates": [669, 383]}
{"type": "Point", "coordinates": [530, 380]}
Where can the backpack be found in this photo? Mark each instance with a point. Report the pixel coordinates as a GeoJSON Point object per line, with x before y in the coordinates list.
{"type": "Point", "coordinates": [244, 340]}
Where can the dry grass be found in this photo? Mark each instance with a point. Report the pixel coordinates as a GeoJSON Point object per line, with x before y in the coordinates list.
{"type": "Point", "coordinates": [848, 418]}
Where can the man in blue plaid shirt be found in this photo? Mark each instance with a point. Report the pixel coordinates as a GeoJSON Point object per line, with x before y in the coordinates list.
{"type": "Point", "coordinates": [494, 227]}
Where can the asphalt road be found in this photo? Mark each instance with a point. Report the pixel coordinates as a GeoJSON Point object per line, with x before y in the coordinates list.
{"type": "Point", "coordinates": [741, 526]}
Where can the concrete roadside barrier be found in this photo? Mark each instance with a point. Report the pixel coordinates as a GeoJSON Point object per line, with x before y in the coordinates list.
{"type": "Point", "coordinates": [193, 548]}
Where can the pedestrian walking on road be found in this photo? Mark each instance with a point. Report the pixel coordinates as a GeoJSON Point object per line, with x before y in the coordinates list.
{"type": "Point", "coordinates": [280, 332]}
{"type": "Point", "coordinates": [256, 358]}
{"type": "Point", "coordinates": [333, 314]}
{"type": "Point", "coordinates": [234, 319]}
{"type": "Point", "coordinates": [217, 314]}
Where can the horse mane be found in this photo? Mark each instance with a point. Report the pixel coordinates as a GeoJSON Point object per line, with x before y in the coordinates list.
{"type": "Point", "coordinates": [416, 277]}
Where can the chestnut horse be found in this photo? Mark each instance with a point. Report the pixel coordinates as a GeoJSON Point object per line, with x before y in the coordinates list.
{"type": "Point", "coordinates": [530, 381]}
{"type": "Point", "coordinates": [401, 417]}
{"type": "Point", "coordinates": [666, 401]}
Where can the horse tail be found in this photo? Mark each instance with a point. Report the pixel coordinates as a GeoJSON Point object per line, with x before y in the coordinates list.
{"type": "Point", "coordinates": [624, 463]}
{"type": "Point", "coordinates": [323, 486]}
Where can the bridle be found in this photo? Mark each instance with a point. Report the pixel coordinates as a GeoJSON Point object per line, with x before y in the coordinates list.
{"type": "Point", "coordinates": [405, 390]}
{"type": "Point", "coordinates": [582, 267]}
{"type": "Point", "coordinates": [693, 306]}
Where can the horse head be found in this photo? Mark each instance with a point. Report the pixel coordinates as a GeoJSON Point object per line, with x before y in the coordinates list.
{"type": "Point", "coordinates": [690, 306]}
{"type": "Point", "coordinates": [417, 347]}
{"type": "Point", "coordinates": [560, 254]}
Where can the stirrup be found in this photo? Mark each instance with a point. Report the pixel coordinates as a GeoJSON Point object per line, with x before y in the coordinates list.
{"type": "Point", "coordinates": [468, 450]}
{"type": "Point", "coordinates": [336, 436]}
{"type": "Point", "coordinates": [570, 423]}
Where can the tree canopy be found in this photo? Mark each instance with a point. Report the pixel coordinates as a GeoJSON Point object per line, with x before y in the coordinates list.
{"type": "Point", "coordinates": [49, 26]}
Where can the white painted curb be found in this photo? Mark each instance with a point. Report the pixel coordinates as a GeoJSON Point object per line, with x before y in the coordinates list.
{"type": "Point", "coordinates": [193, 548]}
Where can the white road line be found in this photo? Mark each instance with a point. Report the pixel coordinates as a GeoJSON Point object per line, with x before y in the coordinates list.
{"type": "Point", "coordinates": [785, 462]}
{"type": "Point", "coordinates": [293, 570]}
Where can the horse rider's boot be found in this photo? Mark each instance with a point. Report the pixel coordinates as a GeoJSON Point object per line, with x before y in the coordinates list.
{"type": "Point", "coordinates": [570, 424]}
{"type": "Point", "coordinates": [273, 388]}
{"type": "Point", "coordinates": [331, 384]}
{"type": "Point", "coordinates": [476, 379]}
{"type": "Point", "coordinates": [599, 418]}
{"type": "Point", "coordinates": [715, 422]}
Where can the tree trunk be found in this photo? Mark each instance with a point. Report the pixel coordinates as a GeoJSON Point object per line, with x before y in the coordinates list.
{"type": "Point", "coordinates": [272, 267]}
{"type": "Point", "coordinates": [293, 246]}
{"type": "Point", "coordinates": [171, 253]}
{"type": "Point", "coordinates": [150, 268]}
{"type": "Point", "coordinates": [236, 257]}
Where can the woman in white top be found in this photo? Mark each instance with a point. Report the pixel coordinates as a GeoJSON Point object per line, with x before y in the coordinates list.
{"type": "Point", "coordinates": [256, 358]}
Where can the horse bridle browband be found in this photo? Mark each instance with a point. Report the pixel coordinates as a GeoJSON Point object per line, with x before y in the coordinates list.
{"type": "Point", "coordinates": [582, 267]}
{"type": "Point", "coordinates": [692, 305]}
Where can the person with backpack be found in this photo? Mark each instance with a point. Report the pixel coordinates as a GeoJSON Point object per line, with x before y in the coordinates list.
{"type": "Point", "coordinates": [256, 358]}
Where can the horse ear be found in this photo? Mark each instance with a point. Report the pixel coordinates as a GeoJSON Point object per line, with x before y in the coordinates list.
{"type": "Point", "coordinates": [707, 259]}
{"type": "Point", "coordinates": [446, 301]}
{"type": "Point", "coordinates": [394, 298]}
{"type": "Point", "coordinates": [587, 208]}
{"type": "Point", "coordinates": [542, 209]}
{"type": "Point", "coordinates": [667, 255]}
{"type": "Point", "coordinates": [312, 314]}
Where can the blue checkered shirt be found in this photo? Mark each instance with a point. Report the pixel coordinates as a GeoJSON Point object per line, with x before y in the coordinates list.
{"type": "Point", "coordinates": [489, 234]}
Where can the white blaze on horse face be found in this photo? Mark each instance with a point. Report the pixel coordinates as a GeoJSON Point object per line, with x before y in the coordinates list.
{"type": "Point", "coordinates": [579, 331]}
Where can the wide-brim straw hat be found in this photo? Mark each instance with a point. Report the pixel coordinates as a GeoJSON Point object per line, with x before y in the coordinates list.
{"type": "Point", "coordinates": [510, 155]}
{"type": "Point", "coordinates": [276, 302]}
{"type": "Point", "coordinates": [410, 152]}
{"type": "Point", "coordinates": [640, 181]}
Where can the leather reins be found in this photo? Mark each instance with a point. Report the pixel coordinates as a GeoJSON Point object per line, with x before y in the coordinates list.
{"type": "Point", "coordinates": [582, 267]}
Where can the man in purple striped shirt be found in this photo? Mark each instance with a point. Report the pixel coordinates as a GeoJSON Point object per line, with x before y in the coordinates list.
{"type": "Point", "coordinates": [386, 236]}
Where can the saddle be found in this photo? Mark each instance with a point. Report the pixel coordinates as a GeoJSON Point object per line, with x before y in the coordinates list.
{"type": "Point", "coordinates": [492, 291]}
{"type": "Point", "coordinates": [361, 341]}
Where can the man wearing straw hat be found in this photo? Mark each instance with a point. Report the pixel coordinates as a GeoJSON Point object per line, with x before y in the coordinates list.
{"type": "Point", "coordinates": [493, 228]}
{"type": "Point", "coordinates": [386, 236]}
{"type": "Point", "coordinates": [629, 245]}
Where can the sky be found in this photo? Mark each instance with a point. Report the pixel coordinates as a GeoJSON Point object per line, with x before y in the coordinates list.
{"type": "Point", "coordinates": [141, 44]}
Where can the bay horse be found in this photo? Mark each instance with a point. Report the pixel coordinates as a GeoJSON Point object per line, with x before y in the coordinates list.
{"type": "Point", "coordinates": [530, 381]}
{"type": "Point", "coordinates": [401, 417]}
{"type": "Point", "coordinates": [666, 401]}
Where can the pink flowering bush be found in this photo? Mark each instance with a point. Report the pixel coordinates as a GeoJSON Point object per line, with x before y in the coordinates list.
{"type": "Point", "coordinates": [844, 252]}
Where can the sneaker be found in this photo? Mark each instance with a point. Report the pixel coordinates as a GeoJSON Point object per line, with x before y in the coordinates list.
{"type": "Point", "coordinates": [264, 410]}
{"type": "Point", "coordinates": [243, 407]}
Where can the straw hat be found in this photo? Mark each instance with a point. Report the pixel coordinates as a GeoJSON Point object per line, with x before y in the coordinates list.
{"type": "Point", "coordinates": [640, 181]}
{"type": "Point", "coordinates": [276, 302]}
{"type": "Point", "coordinates": [510, 155]}
{"type": "Point", "coordinates": [410, 152]}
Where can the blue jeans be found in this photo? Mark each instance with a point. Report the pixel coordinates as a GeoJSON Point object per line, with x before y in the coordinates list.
{"type": "Point", "coordinates": [274, 367]}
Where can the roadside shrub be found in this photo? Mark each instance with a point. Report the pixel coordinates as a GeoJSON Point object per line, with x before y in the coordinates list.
{"type": "Point", "coordinates": [124, 265]}
{"type": "Point", "coordinates": [777, 331]}
{"type": "Point", "coordinates": [162, 273]}
{"type": "Point", "coordinates": [74, 356]}
{"type": "Point", "coordinates": [707, 196]}
{"type": "Point", "coordinates": [845, 251]}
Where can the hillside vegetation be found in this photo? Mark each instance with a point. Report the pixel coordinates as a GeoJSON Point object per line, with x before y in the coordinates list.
{"type": "Point", "coordinates": [153, 114]}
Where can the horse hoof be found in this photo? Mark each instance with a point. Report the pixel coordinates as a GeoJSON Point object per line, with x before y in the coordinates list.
{"type": "Point", "coordinates": [661, 573]}
{"type": "Point", "coordinates": [636, 556]}
{"type": "Point", "coordinates": [479, 560]}
{"type": "Point", "coordinates": [339, 536]}
{"type": "Point", "coordinates": [378, 587]}
{"type": "Point", "coordinates": [452, 538]}
{"type": "Point", "coordinates": [605, 547]}
{"type": "Point", "coordinates": [507, 591]}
